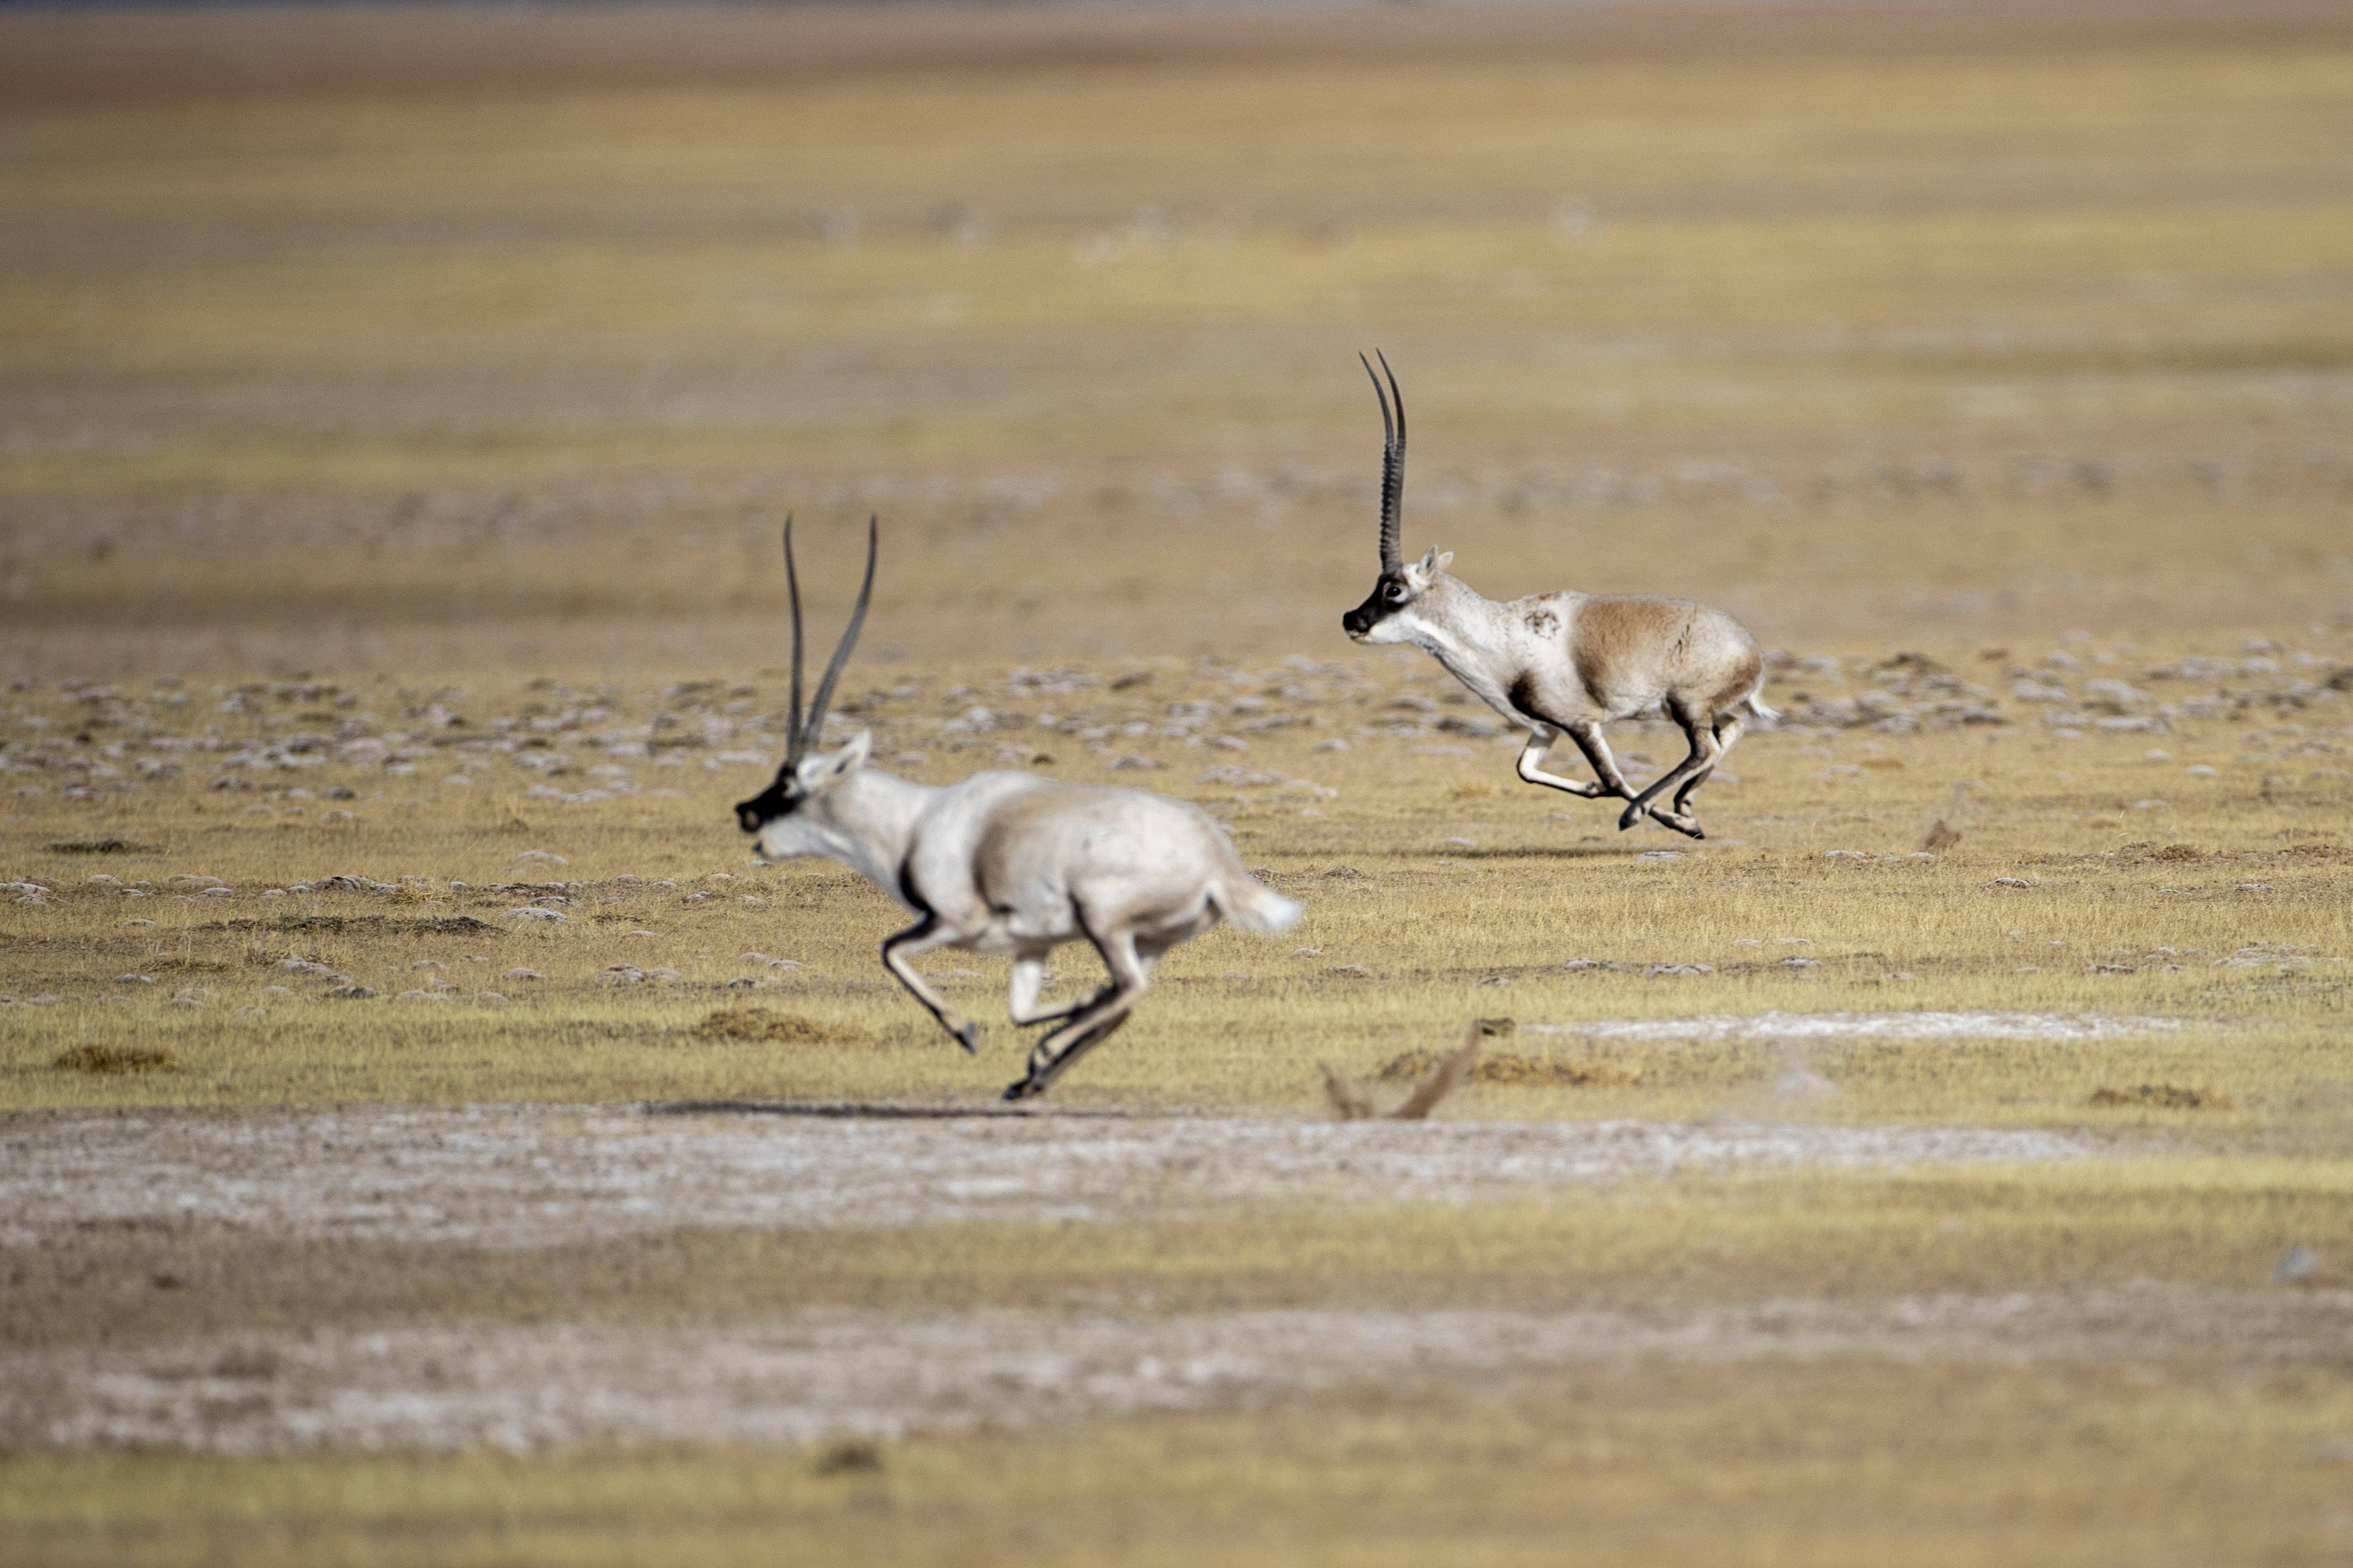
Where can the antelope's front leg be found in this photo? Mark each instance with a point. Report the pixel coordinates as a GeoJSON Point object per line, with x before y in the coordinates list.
{"type": "Point", "coordinates": [1531, 767]}
{"type": "Point", "coordinates": [921, 937]}
{"type": "Point", "coordinates": [1597, 755]}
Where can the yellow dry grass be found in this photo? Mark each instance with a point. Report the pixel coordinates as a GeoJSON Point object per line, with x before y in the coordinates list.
{"type": "Point", "coordinates": [393, 444]}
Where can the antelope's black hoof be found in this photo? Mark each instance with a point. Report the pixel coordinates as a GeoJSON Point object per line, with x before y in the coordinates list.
{"type": "Point", "coordinates": [1024, 1090]}
{"type": "Point", "coordinates": [969, 1038]}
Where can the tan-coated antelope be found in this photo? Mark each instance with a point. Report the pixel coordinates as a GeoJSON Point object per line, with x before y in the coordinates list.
{"type": "Point", "coordinates": [1006, 863]}
{"type": "Point", "coordinates": [1567, 663]}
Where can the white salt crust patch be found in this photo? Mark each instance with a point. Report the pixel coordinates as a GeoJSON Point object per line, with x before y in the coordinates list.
{"type": "Point", "coordinates": [828, 1375]}
{"type": "Point", "coordinates": [522, 1176]}
{"type": "Point", "coordinates": [1805, 1027]}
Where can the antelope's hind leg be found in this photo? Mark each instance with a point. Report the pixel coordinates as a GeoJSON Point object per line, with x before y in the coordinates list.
{"type": "Point", "coordinates": [1727, 730]}
{"type": "Point", "coordinates": [1704, 753]}
{"type": "Point", "coordinates": [925, 934]}
{"type": "Point", "coordinates": [1093, 1023]}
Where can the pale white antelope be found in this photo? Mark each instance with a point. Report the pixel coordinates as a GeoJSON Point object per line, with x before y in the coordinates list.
{"type": "Point", "coordinates": [1007, 863]}
{"type": "Point", "coordinates": [1567, 663]}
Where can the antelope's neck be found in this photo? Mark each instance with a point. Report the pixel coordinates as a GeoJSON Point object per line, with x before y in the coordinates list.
{"type": "Point", "coordinates": [1463, 632]}
{"type": "Point", "coordinates": [871, 819]}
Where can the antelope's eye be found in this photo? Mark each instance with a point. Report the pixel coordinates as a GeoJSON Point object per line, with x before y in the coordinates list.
{"type": "Point", "coordinates": [1396, 595]}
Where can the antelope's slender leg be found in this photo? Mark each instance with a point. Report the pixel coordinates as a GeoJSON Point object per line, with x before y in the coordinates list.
{"type": "Point", "coordinates": [1704, 753]}
{"type": "Point", "coordinates": [1727, 730]}
{"type": "Point", "coordinates": [1021, 1000]}
{"type": "Point", "coordinates": [921, 937]}
{"type": "Point", "coordinates": [1531, 767]}
{"type": "Point", "coordinates": [1588, 739]}
{"type": "Point", "coordinates": [1095, 1023]}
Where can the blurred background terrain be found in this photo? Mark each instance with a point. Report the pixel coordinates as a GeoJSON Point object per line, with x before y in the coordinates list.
{"type": "Point", "coordinates": [420, 337]}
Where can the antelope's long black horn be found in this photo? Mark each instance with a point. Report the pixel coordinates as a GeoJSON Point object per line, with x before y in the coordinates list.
{"type": "Point", "coordinates": [1392, 463]}
{"type": "Point", "coordinates": [848, 639]}
{"type": "Point", "coordinates": [793, 580]}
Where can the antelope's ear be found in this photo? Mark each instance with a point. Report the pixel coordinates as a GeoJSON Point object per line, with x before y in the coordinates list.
{"type": "Point", "coordinates": [1433, 561]}
{"type": "Point", "coordinates": [828, 768]}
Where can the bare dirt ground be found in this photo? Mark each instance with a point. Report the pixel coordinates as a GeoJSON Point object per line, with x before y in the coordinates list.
{"type": "Point", "coordinates": [544, 1178]}
{"type": "Point", "coordinates": [550, 1176]}
{"type": "Point", "coordinates": [820, 1377]}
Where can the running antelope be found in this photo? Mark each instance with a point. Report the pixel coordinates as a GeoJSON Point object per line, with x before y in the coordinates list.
{"type": "Point", "coordinates": [1567, 663]}
{"type": "Point", "coordinates": [1006, 863]}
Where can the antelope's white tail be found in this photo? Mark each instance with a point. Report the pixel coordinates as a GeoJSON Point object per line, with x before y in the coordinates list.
{"type": "Point", "coordinates": [1755, 703]}
{"type": "Point", "coordinates": [1252, 906]}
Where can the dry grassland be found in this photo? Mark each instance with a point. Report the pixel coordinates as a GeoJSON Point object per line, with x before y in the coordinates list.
{"type": "Point", "coordinates": [396, 416]}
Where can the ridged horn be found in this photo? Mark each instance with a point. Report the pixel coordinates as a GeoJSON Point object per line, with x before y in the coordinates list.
{"type": "Point", "coordinates": [1392, 462]}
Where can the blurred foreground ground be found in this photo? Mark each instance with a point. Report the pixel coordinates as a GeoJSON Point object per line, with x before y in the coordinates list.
{"type": "Point", "coordinates": [403, 1067]}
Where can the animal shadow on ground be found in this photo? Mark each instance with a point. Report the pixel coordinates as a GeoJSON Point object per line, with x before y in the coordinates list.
{"type": "Point", "coordinates": [1618, 851]}
{"type": "Point", "coordinates": [853, 1110]}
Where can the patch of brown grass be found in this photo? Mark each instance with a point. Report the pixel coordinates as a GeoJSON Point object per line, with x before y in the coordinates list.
{"type": "Point", "coordinates": [1516, 1068]}
{"type": "Point", "coordinates": [760, 1025]}
{"type": "Point", "coordinates": [2161, 1097]}
{"type": "Point", "coordinates": [116, 1060]}
{"type": "Point", "coordinates": [849, 1456]}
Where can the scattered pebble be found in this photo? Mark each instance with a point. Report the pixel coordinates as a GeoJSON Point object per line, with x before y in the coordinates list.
{"type": "Point", "coordinates": [2296, 1264]}
{"type": "Point", "coordinates": [1795, 1080]}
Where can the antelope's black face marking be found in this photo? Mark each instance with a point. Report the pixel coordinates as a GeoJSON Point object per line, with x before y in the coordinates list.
{"type": "Point", "coordinates": [781, 798]}
{"type": "Point", "coordinates": [1389, 596]}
